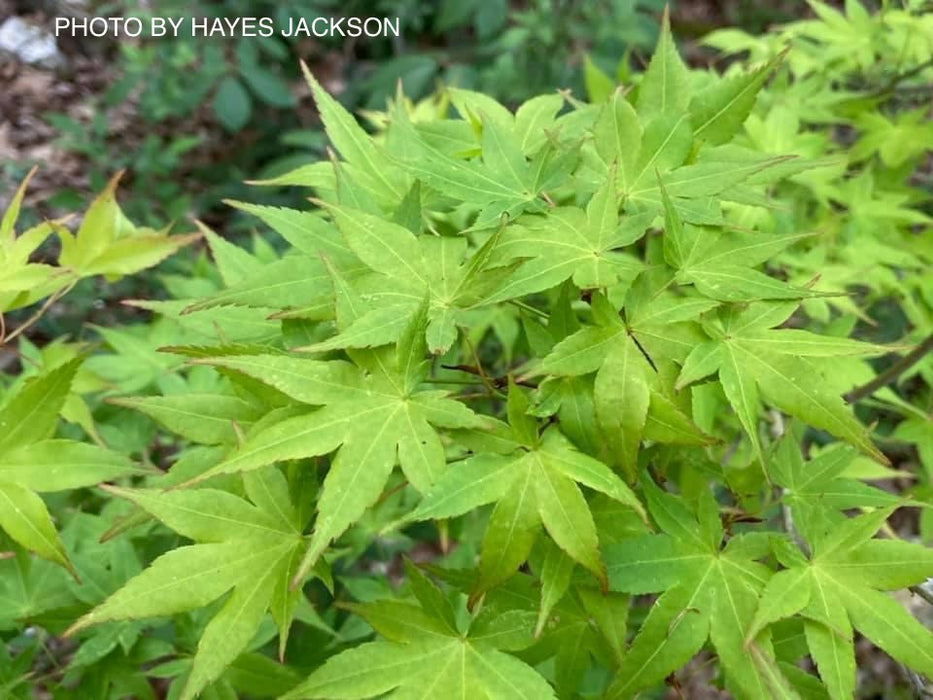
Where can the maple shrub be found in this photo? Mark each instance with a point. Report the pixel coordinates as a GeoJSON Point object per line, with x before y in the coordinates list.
{"type": "Point", "coordinates": [543, 404]}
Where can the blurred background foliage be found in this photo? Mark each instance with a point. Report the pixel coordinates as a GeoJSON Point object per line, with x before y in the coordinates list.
{"type": "Point", "coordinates": [190, 119]}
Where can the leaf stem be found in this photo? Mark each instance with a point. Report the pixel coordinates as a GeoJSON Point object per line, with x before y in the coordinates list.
{"type": "Point", "coordinates": [37, 315]}
{"type": "Point", "coordinates": [465, 382]}
{"type": "Point", "coordinates": [529, 308]}
{"type": "Point", "coordinates": [892, 373]}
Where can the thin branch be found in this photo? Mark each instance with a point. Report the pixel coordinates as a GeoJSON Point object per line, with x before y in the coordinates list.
{"type": "Point", "coordinates": [36, 316]}
{"type": "Point", "coordinates": [896, 80]}
{"type": "Point", "coordinates": [892, 373]}
{"type": "Point", "coordinates": [490, 387]}
{"type": "Point", "coordinates": [922, 593]}
{"type": "Point", "coordinates": [465, 382]}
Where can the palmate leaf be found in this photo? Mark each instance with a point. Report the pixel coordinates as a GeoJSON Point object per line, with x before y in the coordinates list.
{"type": "Point", "coordinates": [628, 395]}
{"type": "Point", "coordinates": [31, 462]}
{"type": "Point", "coordinates": [371, 166]}
{"type": "Point", "coordinates": [408, 268]}
{"type": "Point", "coordinates": [107, 243]}
{"type": "Point", "coordinates": [708, 592]}
{"type": "Point", "coordinates": [299, 282]}
{"type": "Point", "coordinates": [839, 589]}
{"type": "Point", "coordinates": [505, 182]}
{"type": "Point", "coordinates": [370, 410]}
{"type": "Point", "coordinates": [247, 549]}
{"type": "Point", "coordinates": [750, 355]}
{"type": "Point", "coordinates": [818, 491]}
{"type": "Point", "coordinates": [586, 626]}
{"type": "Point", "coordinates": [424, 653]}
{"type": "Point", "coordinates": [534, 483]}
{"type": "Point", "coordinates": [23, 282]}
{"type": "Point", "coordinates": [571, 243]}
{"type": "Point", "coordinates": [648, 145]}
{"type": "Point", "coordinates": [708, 259]}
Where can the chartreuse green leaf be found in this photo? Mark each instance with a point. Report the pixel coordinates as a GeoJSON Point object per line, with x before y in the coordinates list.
{"type": "Point", "coordinates": [718, 112]}
{"type": "Point", "coordinates": [708, 593]}
{"type": "Point", "coordinates": [819, 486]}
{"type": "Point", "coordinates": [415, 266]}
{"type": "Point", "coordinates": [31, 462]}
{"type": "Point", "coordinates": [422, 653]}
{"type": "Point", "coordinates": [298, 282]}
{"type": "Point", "coordinates": [371, 410]}
{"type": "Point", "coordinates": [505, 183]}
{"type": "Point", "coordinates": [586, 625]}
{"type": "Point", "coordinates": [247, 549]}
{"type": "Point", "coordinates": [371, 167]}
{"type": "Point", "coordinates": [629, 394]}
{"type": "Point", "coordinates": [839, 589]}
{"type": "Point", "coordinates": [22, 282]}
{"type": "Point", "coordinates": [535, 485]}
{"type": "Point", "coordinates": [571, 243]}
{"type": "Point", "coordinates": [107, 243]}
{"type": "Point", "coordinates": [708, 259]}
{"type": "Point", "coordinates": [752, 356]}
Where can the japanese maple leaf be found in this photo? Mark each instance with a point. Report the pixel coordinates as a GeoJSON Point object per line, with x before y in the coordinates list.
{"type": "Point", "coordinates": [572, 243]}
{"type": "Point", "coordinates": [580, 623]}
{"type": "Point", "coordinates": [818, 490]}
{"type": "Point", "coordinates": [707, 592]}
{"type": "Point", "coordinates": [533, 482]}
{"type": "Point", "coordinates": [372, 410]}
{"type": "Point", "coordinates": [749, 354]}
{"type": "Point", "coordinates": [503, 182]}
{"type": "Point", "coordinates": [840, 587]}
{"type": "Point", "coordinates": [721, 264]}
{"type": "Point", "coordinates": [408, 269]}
{"type": "Point", "coordinates": [631, 401]}
{"type": "Point", "coordinates": [249, 548]}
{"type": "Point", "coordinates": [425, 653]}
{"type": "Point", "coordinates": [32, 462]}
{"type": "Point", "coordinates": [653, 139]}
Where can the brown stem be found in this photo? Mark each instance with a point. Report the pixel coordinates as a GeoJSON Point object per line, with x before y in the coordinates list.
{"type": "Point", "coordinates": [922, 593]}
{"type": "Point", "coordinates": [891, 373]}
{"type": "Point", "coordinates": [896, 80]}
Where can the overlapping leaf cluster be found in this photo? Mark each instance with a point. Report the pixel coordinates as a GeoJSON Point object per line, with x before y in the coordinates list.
{"type": "Point", "coordinates": [553, 344]}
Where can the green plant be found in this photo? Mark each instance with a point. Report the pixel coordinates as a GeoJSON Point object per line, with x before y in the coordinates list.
{"type": "Point", "coordinates": [106, 244]}
{"type": "Point", "coordinates": [852, 95]}
{"type": "Point", "coordinates": [617, 414]}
